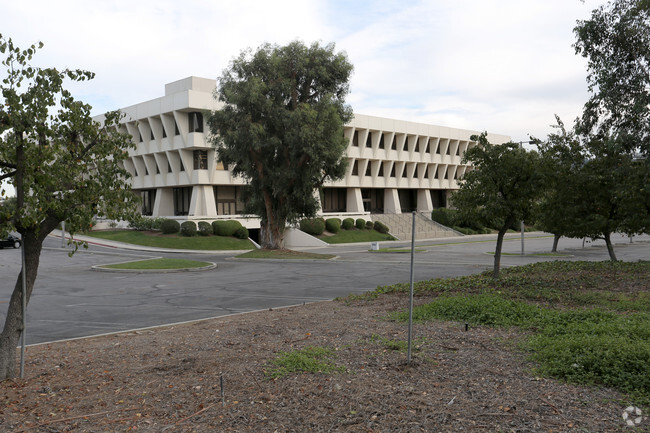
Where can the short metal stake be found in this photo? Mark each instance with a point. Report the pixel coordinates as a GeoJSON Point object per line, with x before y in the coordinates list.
{"type": "Point", "coordinates": [223, 394]}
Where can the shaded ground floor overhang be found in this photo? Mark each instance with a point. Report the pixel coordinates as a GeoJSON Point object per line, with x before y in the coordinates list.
{"type": "Point", "coordinates": [214, 201]}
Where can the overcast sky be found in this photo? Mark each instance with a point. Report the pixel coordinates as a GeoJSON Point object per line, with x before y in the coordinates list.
{"type": "Point", "coordinates": [505, 66]}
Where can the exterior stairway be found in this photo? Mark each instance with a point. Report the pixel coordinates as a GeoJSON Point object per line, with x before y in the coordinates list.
{"type": "Point", "coordinates": [399, 225]}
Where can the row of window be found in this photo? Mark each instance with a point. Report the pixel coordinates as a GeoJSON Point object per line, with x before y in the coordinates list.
{"type": "Point", "coordinates": [194, 124]}
{"type": "Point", "coordinates": [200, 158]}
{"type": "Point", "coordinates": [201, 163]}
{"type": "Point", "coordinates": [416, 173]}
{"type": "Point", "coordinates": [335, 199]}
{"type": "Point", "coordinates": [393, 146]}
{"type": "Point", "coordinates": [227, 199]}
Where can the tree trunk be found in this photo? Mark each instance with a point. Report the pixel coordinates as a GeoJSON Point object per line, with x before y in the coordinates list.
{"type": "Point", "coordinates": [271, 227]}
{"type": "Point", "coordinates": [610, 247]}
{"type": "Point", "coordinates": [556, 239]}
{"type": "Point", "coordinates": [10, 337]}
{"type": "Point", "coordinates": [271, 236]}
{"type": "Point", "coordinates": [497, 252]}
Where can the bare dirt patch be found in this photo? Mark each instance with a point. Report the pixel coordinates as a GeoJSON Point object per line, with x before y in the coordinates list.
{"type": "Point", "coordinates": [169, 380]}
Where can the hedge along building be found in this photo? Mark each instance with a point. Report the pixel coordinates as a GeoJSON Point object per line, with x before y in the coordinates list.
{"type": "Point", "coordinates": [394, 166]}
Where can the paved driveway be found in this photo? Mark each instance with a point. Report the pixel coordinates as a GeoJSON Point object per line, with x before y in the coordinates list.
{"type": "Point", "coordinates": [70, 300]}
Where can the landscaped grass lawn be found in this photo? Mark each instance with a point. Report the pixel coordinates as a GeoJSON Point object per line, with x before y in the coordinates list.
{"type": "Point", "coordinates": [284, 255]}
{"type": "Point", "coordinates": [355, 235]}
{"type": "Point", "coordinates": [175, 241]}
{"type": "Point", "coordinates": [160, 263]}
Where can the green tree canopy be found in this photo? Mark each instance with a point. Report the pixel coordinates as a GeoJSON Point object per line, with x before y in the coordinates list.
{"type": "Point", "coordinates": [501, 189]}
{"type": "Point", "coordinates": [62, 164]}
{"type": "Point", "coordinates": [281, 129]}
{"type": "Point", "coordinates": [595, 190]}
{"type": "Point", "coordinates": [600, 185]}
{"type": "Point", "coordinates": [615, 40]}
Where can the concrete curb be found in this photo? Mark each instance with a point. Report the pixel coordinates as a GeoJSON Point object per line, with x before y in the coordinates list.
{"type": "Point", "coordinates": [237, 259]}
{"type": "Point", "coordinates": [126, 332]}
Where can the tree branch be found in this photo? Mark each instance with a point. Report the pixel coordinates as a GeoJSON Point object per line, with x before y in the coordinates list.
{"type": "Point", "coordinates": [7, 165]}
{"type": "Point", "coordinates": [8, 175]}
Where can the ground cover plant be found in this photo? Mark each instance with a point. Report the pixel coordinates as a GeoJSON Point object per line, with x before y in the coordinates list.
{"type": "Point", "coordinates": [585, 325]}
{"type": "Point", "coordinates": [312, 359]}
{"type": "Point", "coordinates": [175, 241]}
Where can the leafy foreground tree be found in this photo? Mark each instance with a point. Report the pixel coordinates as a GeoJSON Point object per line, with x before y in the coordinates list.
{"type": "Point", "coordinates": [560, 155]}
{"type": "Point", "coordinates": [281, 129]}
{"type": "Point", "coordinates": [616, 43]}
{"type": "Point", "coordinates": [615, 40]}
{"type": "Point", "coordinates": [600, 185]}
{"type": "Point", "coordinates": [595, 188]}
{"type": "Point", "coordinates": [62, 164]}
{"type": "Point", "coordinates": [501, 189]}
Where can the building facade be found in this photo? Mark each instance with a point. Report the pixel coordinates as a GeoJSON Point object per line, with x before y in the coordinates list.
{"type": "Point", "coordinates": [394, 166]}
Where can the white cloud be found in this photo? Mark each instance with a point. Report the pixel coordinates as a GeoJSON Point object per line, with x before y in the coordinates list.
{"type": "Point", "coordinates": [502, 65]}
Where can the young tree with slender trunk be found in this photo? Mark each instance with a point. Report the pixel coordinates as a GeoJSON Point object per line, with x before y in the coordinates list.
{"type": "Point", "coordinates": [63, 165]}
{"type": "Point", "coordinates": [281, 129]}
{"type": "Point", "coordinates": [595, 188]}
{"type": "Point", "coordinates": [501, 188]}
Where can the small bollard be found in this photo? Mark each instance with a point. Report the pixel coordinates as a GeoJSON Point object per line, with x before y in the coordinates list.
{"type": "Point", "coordinates": [374, 246]}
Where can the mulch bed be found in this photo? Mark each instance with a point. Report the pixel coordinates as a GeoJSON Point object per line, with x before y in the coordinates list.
{"type": "Point", "coordinates": [169, 380]}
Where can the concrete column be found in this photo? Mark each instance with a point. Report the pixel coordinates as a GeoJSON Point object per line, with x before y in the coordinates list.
{"type": "Point", "coordinates": [354, 200]}
{"type": "Point", "coordinates": [424, 201]}
{"type": "Point", "coordinates": [164, 204]}
{"type": "Point", "coordinates": [391, 201]}
{"type": "Point", "coordinates": [202, 203]}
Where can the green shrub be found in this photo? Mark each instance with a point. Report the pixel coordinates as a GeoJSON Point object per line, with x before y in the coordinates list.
{"type": "Point", "coordinates": [347, 224]}
{"type": "Point", "coordinates": [169, 226]}
{"type": "Point", "coordinates": [360, 223]}
{"type": "Point", "coordinates": [225, 228]}
{"type": "Point", "coordinates": [188, 228]}
{"type": "Point", "coordinates": [313, 226]}
{"type": "Point", "coordinates": [444, 216]}
{"type": "Point", "coordinates": [333, 225]}
{"type": "Point", "coordinates": [241, 233]}
{"type": "Point", "coordinates": [205, 228]}
{"type": "Point", "coordinates": [381, 227]}
{"type": "Point", "coordinates": [142, 223]}
{"type": "Point", "coordinates": [453, 218]}
{"type": "Point", "coordinates": [370, 225]}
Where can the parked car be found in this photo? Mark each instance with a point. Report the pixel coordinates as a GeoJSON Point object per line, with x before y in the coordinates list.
{"type": "Point", "coordinates": [10, 241]}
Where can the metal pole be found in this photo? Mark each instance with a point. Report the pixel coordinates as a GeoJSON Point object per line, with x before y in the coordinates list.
{"type": "Point", "coordinates": [410, 332]}
{"type": "Point", "coordinates": [521, 146]}
{"type": "Point", "coordinates": [24, 308]}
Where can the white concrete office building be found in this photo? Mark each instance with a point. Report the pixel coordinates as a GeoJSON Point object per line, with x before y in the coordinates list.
{"type": "Point", "coordinates": [394, 166]}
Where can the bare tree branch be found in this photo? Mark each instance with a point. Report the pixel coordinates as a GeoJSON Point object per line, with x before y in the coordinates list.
{"type": "Point", "coordinates": [8, 175]}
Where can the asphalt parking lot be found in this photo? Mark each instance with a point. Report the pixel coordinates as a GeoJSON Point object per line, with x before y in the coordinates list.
{"type": "Point", "coordinates": [70, 300]}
